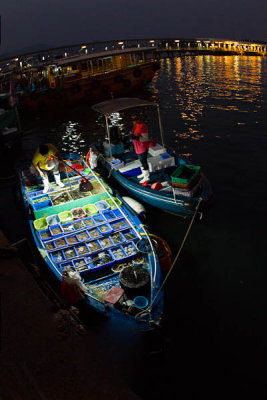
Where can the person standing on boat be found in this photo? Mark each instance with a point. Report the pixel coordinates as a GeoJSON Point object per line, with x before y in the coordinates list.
{"type": "Point", "coordinates": [141, 145]}
{"type": "Point", "coordinates": [44, 160]}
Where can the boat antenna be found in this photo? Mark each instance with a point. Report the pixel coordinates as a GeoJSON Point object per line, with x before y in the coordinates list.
{"type": "Point", "coordinates": [160, 127]}
{"type": "Point", "coordinates": [108, 132]}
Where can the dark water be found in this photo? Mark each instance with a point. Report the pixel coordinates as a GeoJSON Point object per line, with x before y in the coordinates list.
{"type": "Point", "coordinates": [214, 338]}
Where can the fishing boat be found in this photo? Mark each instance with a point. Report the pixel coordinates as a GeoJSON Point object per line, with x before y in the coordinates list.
{"type": "Point", "coordinates": [82, 77]}
{"type": "Point", "coordinates": [94, 244]}
{"type": "Point", "coordinates": [175, 185]}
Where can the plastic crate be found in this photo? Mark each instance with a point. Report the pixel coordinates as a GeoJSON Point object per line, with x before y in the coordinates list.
{"type": "Point", "coordinates": [118, 213]}
{"type": "Point", "coordinates": [65, 216]}
{"type": "Point", "coordinates": [66, 264]}
{"type": "Point", "coordinates": [99, 219]}
{"type": "Point", "coordinates": [94, 246]}
{"type": "Point", "coordinates": [78, 225]}
{"type": "Point", "coordinates": [55, 230]}
{"type": "Point", "coordinates": [117, 204]}
{"type": "Point", "coordinates": [106, 242]}
{"type": "Point", "coordinates": [94, 233]}
{"type": "Point", "coordinates": [53, 220]}
{"type": "Point", "coordinates": [185, 174]}
{"type": "Point", "coordinates": [101, 260]}
{"type": "Point", "coordinates": [67, 228]}
{"type": "Point", "coordinates": [89, 222]}
{"type": "Point", "coordinates": [60, 243]}
{"type": "Point", "coordinates": [130, 249]}
{"type": "Point", "coordinates": [90, 209]}
{"type": "Point", "coordinates": [118, 253]}
{"type": "Point", "coordinates": [57, 256]}
{"type": "Point", "coordinates": [45, 235]}
{"type": "Point", "coordinates": [40, 224]}
{"type": "Point", "coordinates": [49, 246]}
{"type": "Point", "coordinates": [102, 205]}
{"type": "Point", "coordinates": [129, 234]}
{"type": "Point", "coordinates": [80, 264]}
{"type": "Point", "coordinates": [119, 225]}
{"type": "Point", "coordinates": [40, 202]}
{"type": "Point", "coordinates": [78, 213]}
{"type": "Point", "coordinates": [70, 252]}
{"type": "Point", "coordinates": [82, 236]}
{"type": "Point", "coordinates": [82, 249]}
{"type": "Point", "coordinates": [72, 239]}
{"type": "Point", "coordinates": [109, 215]}
{"type": "Point", "coordinates": [117, 238]}
{"type": "Point", "coordinates": [105, 229]}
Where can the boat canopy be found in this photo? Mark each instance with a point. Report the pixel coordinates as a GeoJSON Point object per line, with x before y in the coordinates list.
{"type": "Point", "coordinates": [110, 106]}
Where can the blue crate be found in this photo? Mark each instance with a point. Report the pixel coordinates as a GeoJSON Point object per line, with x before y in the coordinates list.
{"type": "Point", "coordinates": [58, 245]}
{"type": "Point", "coordinates": [52, 229]}
{"type": "Point", "coordinates": [133, 246]}
{"type": "Point", "coordinates": [82, 236]}
{"type": "Point", "coordinates": [117, 212]}
{"type": "Point", "coordinates": [34, 193]}
{"type": "Point", "coordinates": [94, 233]}
{"type": "Point", "coordinates": [71, 241]}
{"type": "Point", "coordinates": [67, 253]}
{"type": "Point", "coordinates": [96, 263]}
{"type": "Point", "coordinates": [66, 264]}
{"type": "Point", "coordinates": [109, 215]}
{"type": "Point", "coordinates": [88, 222]}
{"type": "Point", "coordinates": [94, 246]}
{"type": "Point", "coordinates": [106, 242]}
{"type": "Point", "coordinates": [119, 238]}
{"type": "Point", "coordinates": [66, 227]}
{"type": "Point", "coordinates": [41, 235]}
{"type": "Point", "coordinates": [105, 229]}
{"type": "Point", "coordinates": [130, 232]}
{"type": "Point", "coordinates": [51, 243]}
{"type": "Point", "coordinates": [119, 225]}
{"type": "Point", "coordinates": [57, 256]}
{"type": "Point", "coordinates": [78, 223]}
{"type": "Point", "coordinates": [99, 219]}
{"type": "Point", "coordinates": [42, 204]}
{"type": "Point", "coordinates": [118, 253]}
{"type": "Point", "coordinates": [80, 268]}
{"type": "Point", "coordinates": [80, 252]}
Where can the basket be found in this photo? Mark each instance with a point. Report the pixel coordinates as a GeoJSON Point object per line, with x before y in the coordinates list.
{"type": "Point", "coordinates": [78, 213]}
{"type": "Point", "coordinates": [40, 224]}
{"type": "Point", "coordinates": [53, 219]}
{"type": "Point", "coordinates": [90, 209]}
{"type": "Point", "coordinates": [111, 203]}
{"type": "Point", "coordinates": [102, 205]}
{"type": "Point", "coordinates": [65, 216]}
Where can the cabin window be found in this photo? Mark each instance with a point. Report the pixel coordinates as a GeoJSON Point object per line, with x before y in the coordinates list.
{"type": "Point", "coordinates": [84, 66]}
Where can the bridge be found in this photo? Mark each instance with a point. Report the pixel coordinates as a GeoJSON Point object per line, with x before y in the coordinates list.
{"type": "Point", "coordinates": [160, 48]}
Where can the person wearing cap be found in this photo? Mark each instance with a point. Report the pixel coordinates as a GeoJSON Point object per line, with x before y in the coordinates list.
{"type": "Point", "coordinates": [141, 145]}
{"type": "Point", "coordinates": [44, 160]}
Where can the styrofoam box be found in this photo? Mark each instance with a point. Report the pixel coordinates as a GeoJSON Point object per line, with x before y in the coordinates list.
{"type": "Point", "coordinates": [155, 163]}
{"type": "Point", "coordinates": [131, 165]}
{"type": "Point", "coordinates": [156, 150]}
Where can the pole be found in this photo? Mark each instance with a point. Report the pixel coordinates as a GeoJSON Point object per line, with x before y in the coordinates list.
{"type": "Point", "coordinates": [110, 153]}
{"type": "Point", "coordinates": [160, 127]}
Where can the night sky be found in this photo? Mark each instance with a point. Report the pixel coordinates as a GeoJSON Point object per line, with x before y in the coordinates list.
{"type": "Point", "coordinates": [58, 22]}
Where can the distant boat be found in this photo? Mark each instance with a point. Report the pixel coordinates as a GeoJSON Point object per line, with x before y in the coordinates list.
{"type": "Point", "coordinates": [96, 246]}
{"type": "Point", "coordinates": [175, 185]}
{"type": "Point", "coordinates": [87, 77]}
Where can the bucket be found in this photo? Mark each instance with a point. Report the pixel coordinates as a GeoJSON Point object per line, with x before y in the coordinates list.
{"type": "Point", "coordinates": [140, 302]}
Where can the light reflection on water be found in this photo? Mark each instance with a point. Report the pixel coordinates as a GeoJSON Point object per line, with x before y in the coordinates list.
{"type": "Point", "coordinates": [201, 98]}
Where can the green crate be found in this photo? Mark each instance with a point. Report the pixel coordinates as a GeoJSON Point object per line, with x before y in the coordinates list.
{"type": "Point", "coordinates": [40, 224]}
{"type": "Point", "coordinates": [185, 174]}
{"type": "Point", "coordinates": [65, 216]}
{"type": "Point", "coordinates": [90, 209]}
{"type": "Point", "coordinates": [111, 203]}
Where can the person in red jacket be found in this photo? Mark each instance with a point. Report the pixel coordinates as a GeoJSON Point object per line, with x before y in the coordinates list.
{"type": "Point", "coordinates": [141, 145]}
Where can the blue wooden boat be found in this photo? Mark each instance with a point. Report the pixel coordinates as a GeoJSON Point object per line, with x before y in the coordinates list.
{"type": "Point", "coordinates": [95, 245]}
{"type": "Point", "coordinates": [161, 191]}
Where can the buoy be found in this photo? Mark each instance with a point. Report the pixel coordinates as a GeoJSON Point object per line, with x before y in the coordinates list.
{"type": "Point", "coordinates": [138, 208]}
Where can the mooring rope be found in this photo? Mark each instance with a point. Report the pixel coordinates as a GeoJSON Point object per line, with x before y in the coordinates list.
{"type": "Point", "coordinates": [148, 310]}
